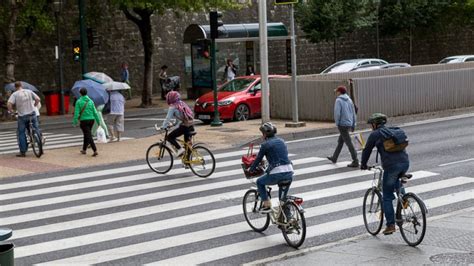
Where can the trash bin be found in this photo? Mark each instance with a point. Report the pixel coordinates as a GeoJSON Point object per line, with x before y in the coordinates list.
{"type": "Point", "coordinates": [53, 102]}
{"type": "Point", "coordinates": [6, 254]}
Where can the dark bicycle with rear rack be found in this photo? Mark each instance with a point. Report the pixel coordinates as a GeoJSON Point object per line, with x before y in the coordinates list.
{"type": "Point", "coordinates": [33, 137]}
{"type": "Point", "coordinates": [410, 215]}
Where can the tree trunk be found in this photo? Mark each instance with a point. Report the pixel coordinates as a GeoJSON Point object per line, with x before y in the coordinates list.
{"type": "Point", "coordinates": [148, 46]}
{"type": "Point", "coordinates": [10, 56]}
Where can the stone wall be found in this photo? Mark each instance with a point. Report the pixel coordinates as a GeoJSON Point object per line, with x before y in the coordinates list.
{"type": "Point", "coordinates": [120, 41]}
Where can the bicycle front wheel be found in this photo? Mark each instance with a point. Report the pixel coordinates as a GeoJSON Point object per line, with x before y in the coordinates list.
{"type": "Point", "coordinates": [411, 219]}
{"type": "Point", "coordinates": [252, 204]}
{"type": "Point", "coordinates": [36, 144]}
{"type": "Point", "coordinates": [201, 161]}
{"type": "Point", "coordinates": [372, 211]}
{"type": "Point", "coordinates": [295, 230]}
{"type": "Point", "coordinates": [159, 158]}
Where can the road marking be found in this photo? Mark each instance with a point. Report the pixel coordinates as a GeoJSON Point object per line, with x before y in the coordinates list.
{"type": "Point", "coordinates": [223, 251]}
{"type": "Point", "coordinates": [463, 161]}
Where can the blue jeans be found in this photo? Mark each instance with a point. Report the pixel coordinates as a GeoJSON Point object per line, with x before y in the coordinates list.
{"type": "Point", "coordinates": [273, 179]}
{"type": "Point", "coordinates": [391, 182]}
{"type": "Point", "coordinates": [23, 124]}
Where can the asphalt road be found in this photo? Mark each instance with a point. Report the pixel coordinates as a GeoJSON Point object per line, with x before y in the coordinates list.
{"type": "Point", "coordinates": [126, 215]}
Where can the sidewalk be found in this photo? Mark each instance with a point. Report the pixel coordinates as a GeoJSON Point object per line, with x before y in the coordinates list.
{"type": "Point", "coordinates": [449, 240]}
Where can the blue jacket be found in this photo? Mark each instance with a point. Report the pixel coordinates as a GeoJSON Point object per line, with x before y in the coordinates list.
{"type": "Point", "coordinates": [276, 152]}
{"type": "Point", "coordinates": [388, 158]}
{"type": "Point", "coordinates": [344, 112]}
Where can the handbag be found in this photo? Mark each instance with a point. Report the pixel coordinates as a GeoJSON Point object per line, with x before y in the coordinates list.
{"type": "Point", "coordinates": [247, 161]}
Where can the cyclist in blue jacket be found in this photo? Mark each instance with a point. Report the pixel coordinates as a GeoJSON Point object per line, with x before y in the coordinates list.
{"type": "Point", "coordinates": [279, 165]}
{"type": "Point", "coordinates": [393, 163]}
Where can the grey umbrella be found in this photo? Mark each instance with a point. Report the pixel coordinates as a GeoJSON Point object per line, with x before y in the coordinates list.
{"type": "Point", "coordinates": [25, 85]}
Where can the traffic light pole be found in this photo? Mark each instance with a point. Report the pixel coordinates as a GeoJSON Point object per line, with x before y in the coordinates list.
{"type": "Point", "coordinates": [217, 121]}
{"type": "Point", "coordinates": [83, 37]}
{"type": "Point", "coordinates": [60, 66]}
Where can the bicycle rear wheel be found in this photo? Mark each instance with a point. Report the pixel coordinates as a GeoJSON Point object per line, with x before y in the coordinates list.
{"type": "Point", "coordinates": [201, 161]}
{"type": "Point", "coordinates": [159, 158]}
{"type": "Point", "coordinates": [372, 211]}
{"type": "Point", "coordinates": [251, 205]}
{"type": "Point", "coordinates": [412, 219]}
{"type": "Point", "coordinates": [295, 230]}
{"type": "Point", "coordinates": [36, 143]}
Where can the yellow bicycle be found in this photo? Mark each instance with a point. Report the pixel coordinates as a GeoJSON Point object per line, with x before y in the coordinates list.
{"type": "Point", "coordinates": [196, 157]}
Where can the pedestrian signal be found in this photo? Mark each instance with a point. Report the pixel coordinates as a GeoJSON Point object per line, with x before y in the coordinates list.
{"type": "Point", "coordinates": [76, 50]}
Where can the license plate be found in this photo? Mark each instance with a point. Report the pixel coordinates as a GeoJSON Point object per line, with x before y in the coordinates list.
{"type": "Point", "coordinates": [204, 117]}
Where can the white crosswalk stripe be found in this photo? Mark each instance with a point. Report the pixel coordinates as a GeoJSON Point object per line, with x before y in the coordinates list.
{"type": "Point", "coordinates": [57, 220]}
{"type": "Point", "coordinates": [8, 141]}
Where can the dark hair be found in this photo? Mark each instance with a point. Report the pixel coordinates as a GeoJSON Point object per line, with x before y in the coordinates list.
{"type": "Point", "coordinates": [17, 84]}
{"type": "Point", "coordinates": [164, 67]}
{"type": "Point", "coordinates": [83, 91]}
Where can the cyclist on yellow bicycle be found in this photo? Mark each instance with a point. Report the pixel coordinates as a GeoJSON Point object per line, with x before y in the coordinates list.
{"type": "Point", "coordinates": [183, 114]}
{"type": "Point", "coordinates": [279, 165]}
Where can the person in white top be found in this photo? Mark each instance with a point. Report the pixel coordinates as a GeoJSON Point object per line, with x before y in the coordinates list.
{"type": "Point", "coordinates": [25, 103]}
{"type": "Point", "coordinates": [230, 70]}
{"type": "Point", "coordinates": [115, 118]}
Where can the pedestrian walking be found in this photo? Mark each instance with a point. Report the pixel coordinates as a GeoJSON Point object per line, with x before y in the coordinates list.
{"type": "Point", "coordinates": [115, 118]}
{"type": "Point", "coordinates": [163, 76]}
{"type": "Point", "coordinates": [230, 70]}
{"type": "Point", "coordinates": [25, 102]}
{"type": "Point", "coordinates": [86, 114]}
{"type": "Point", "coordinates": [345, 118]}
{"type": "Point", "coordinates": [125, 77]}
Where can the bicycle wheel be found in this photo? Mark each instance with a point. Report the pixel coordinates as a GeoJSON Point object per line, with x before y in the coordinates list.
{"type": "Point", "coordinates": [372, 211]}
{"type": "Point", "coordinates": [295, 231]}
{"type": "Point", "coordinates": [412, 220]}
{"type": "Point", "coordinates": [201, 161]}
{"type": "Point", "coordinates": [159, 158]}
{"type": "Point", "coordinates": [36, 144]}
{"type": "Point", "coordinates": [251, 205]}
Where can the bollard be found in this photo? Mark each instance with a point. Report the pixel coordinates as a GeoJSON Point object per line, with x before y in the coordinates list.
{"type": "Point", "coordinates": [6, 255]}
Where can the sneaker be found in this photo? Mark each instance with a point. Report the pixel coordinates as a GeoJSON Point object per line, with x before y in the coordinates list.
{"type": "Point", "coordinates": [186, 166]}
{"type": "Point", "coordinates": [83, 152]}
{"type": "Point", "coordinates": [179, 152]}
{"type": "Point", "coordinates": [330, 158]}
{"type": "Point", "coordinates": [43, 140]}
{"type": "Point", "coordinates": [390, 229]}
{"type": "Point", "coordinates": [22, 154]}
{"type": "Point", "coordinates": [265, 210]}
{"type": "Point", "coordinates": [354, 164]}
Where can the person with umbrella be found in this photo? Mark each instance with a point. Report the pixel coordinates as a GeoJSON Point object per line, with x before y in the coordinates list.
{"type": "Point", "coordinates": [115, 118]}
{"type": "Point", "coordinates": [25, 102]}
{"type": "Point", "coordinates": [86, 113]}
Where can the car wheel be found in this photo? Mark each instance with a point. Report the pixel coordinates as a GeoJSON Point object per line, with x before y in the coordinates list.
{"type": "Point", "coordinates": [242, 112]}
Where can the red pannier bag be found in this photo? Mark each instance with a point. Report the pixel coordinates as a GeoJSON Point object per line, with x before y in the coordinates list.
{"type": "Point", "coordinates": [247, 161]}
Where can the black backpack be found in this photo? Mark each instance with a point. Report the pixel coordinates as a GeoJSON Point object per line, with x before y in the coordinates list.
{"type": "Point", "coordinates": [395, 139]}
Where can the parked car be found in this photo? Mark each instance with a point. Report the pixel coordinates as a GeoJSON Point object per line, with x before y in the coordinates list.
{"type": "Point", "coordinates": [375, 67]}
{"type": "Point", "coordinates": [238, 99]}
{"type": "Point", "coordinates": [349, 65]}
{"type": "Point", "coordinates": [457, 59]}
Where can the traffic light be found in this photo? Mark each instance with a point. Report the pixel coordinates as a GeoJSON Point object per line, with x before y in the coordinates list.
{"type": "Point", "coordinates": [76, 50]}
{"type": "Point", "coordinates": [215, 22]}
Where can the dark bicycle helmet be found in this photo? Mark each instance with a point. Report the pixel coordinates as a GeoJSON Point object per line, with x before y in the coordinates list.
{"type": "Point", "coordinates": [268, 129]}
{"type": "Point", "coordinates": [377, 118]}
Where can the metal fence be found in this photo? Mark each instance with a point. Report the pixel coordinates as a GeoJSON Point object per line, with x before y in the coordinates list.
{"type": "Point", "coordinates": [394, 94]}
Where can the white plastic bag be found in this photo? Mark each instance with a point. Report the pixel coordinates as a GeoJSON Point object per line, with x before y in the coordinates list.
{"type": "Point", "coordinates": [100, 134]}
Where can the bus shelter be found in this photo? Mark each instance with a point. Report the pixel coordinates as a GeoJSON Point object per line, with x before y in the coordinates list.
{"type": "Point", "coordinates": [198, 37]}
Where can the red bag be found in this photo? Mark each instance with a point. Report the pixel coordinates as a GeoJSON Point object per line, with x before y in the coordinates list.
{"type": "Point", "coordinates": [248, 159]}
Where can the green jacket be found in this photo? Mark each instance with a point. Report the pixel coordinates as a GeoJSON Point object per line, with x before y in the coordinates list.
{"type": "Point", "coordinates": [90, 113]}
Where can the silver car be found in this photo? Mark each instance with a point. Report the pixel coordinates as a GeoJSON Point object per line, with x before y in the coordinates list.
{"type": "Point", "coordinates": [349, 65]}
{"type": "Point", "coordinates": [457, 59]}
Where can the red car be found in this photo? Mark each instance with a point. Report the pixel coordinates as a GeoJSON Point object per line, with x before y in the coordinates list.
{"type": "Point", "coordinates": [239, 99]}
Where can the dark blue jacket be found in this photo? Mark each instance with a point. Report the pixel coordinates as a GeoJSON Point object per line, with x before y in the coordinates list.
{"type": "Point", "coordinates": [274, 149]}
{"type": "Point", "coordinates": [388, 158]}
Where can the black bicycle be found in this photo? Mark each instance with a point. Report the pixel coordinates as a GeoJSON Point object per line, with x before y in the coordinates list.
{"type": "Point", "coordinates": [34, 138]}
{"type": "Point", "coordinates": [410, 215]}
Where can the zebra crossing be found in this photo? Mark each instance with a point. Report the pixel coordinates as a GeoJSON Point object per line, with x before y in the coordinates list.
{"type": "Point", "coordinates": [9, 144]}
{"type": "Point", "coordinates": [129, 215]}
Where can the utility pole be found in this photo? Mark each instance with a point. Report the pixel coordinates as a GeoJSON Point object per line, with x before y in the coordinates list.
{"type": "Point", "coordinates": [262, 16]}
{"type": "Point", "coordinates": [215, 23]}
{"type": "Point", "coordinates": [83, 37]}
{"type": "Point", "coordinates": [59, 56]}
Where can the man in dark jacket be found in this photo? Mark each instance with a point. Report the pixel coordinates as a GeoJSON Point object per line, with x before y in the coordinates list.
{"type": "Point", "coordinates": [393, 163]}
{"type": "Point", "coordinates": [345, 118]}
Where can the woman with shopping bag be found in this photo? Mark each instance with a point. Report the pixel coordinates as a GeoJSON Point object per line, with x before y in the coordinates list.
{"type": "Point", "coordinates": [86, 114]}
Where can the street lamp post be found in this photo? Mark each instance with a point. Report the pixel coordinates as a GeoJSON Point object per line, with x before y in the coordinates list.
{"type": "Point", "coordinates": [59, 55]}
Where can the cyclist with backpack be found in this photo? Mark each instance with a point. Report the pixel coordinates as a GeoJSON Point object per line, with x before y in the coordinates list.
{"type": "Point", "coordinates": [390, 143]}
{"type": "Point", "coordinates": [183, 114]}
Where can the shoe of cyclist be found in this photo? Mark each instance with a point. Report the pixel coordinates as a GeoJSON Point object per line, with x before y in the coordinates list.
{"type": "Point", "coordinates": [390, 229]}
{"type": "Point", "coordinates": [265, 209]}
{"type": "Point", "coordinates": [179, 152]}
{"type": "Point", "coordinates": [405, 204]}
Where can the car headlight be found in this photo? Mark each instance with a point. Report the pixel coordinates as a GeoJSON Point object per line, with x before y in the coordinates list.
{"type": "Point", "coordinates": [226, 102]}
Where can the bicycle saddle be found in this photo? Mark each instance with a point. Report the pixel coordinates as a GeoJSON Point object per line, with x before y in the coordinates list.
{"type": "Point", "coordinates": [405, 175]}
{"type": "Point", "coordinates": [284, 183]}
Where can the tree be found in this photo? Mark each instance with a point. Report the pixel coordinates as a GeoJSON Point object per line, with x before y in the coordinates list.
{"type": "Point", "coordinates": [140, 12]}
{"type": "Point", "coordinates": [19, 19]}
{"type": "Point", "coordinates": [324, 20]}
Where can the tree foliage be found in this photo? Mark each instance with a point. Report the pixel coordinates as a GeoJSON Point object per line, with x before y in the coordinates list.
{"type": "Point", "coordinates": [140, 13]}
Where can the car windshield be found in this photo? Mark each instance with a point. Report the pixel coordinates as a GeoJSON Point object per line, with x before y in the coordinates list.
{"type": "Point", "coordinates": [341, 67]}
{"type": "Point", "coordinates": [451, 60]}
{"type": "Point", "coordinates": [237, 85]}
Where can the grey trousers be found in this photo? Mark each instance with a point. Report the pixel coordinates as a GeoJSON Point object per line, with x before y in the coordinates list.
{"type": "Point", "coordinates": [344, 137]}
